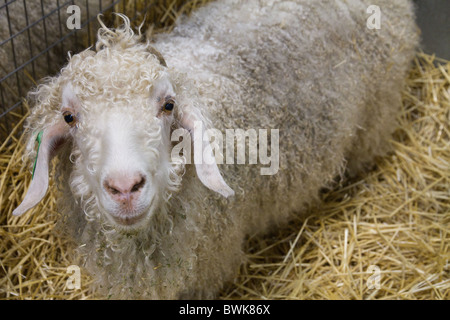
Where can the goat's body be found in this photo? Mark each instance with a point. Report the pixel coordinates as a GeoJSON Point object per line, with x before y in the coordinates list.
{"type": "Point", "coordinates": [312, 70]}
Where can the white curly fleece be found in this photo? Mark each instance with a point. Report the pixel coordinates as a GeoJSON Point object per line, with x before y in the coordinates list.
{"type": "Point", "coordinates": [311, 69]}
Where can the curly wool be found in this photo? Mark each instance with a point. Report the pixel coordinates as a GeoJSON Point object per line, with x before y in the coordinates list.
{"type": "Point", "coordinates": [314, 71]}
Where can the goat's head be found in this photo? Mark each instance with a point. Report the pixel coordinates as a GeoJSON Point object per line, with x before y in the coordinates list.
{"type": "Point", "coordinates": [117, 108]}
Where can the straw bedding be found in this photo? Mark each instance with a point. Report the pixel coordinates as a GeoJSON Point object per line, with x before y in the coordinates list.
{"type": "Point", "coordinates": [383, 235]}
{"type": "Point", "coordinates": [394, 220]}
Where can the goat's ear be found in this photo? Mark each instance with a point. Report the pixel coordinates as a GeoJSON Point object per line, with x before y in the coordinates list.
{"type": "Point", "coordinates": [158, 56]}
{"type": "Point", "coordinates": [206, 168]}
{"type": "Point", "coordinates": [50, 139]}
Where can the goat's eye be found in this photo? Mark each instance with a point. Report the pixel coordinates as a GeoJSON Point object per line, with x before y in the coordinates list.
{"type": "Point", "coordinates": [168, 106]}
{"type": "Point", "coordinates": [69, 118]}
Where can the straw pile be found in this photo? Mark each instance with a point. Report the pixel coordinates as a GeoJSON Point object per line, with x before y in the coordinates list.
{"type": "Point", "coordinates": [384, 235]}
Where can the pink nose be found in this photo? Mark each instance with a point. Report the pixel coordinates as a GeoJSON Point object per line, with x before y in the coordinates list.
{"type": "Point", "coordinates": [121, 188]}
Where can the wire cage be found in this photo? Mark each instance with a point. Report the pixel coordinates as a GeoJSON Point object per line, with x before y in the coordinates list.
{"type": "Point", "coordinates": [36, 36]}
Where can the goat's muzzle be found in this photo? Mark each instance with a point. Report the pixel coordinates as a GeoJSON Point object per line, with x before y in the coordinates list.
{"type": "Point", "coordinates": [125, 191]}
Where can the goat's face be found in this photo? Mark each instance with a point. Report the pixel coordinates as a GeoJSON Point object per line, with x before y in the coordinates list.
{"type": "Point", "coordinates": [119, 112]}
{"type": "Point", "coordinates": [124, 151]}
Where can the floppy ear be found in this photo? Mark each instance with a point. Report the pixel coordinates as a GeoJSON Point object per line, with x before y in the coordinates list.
{"type": "Point", "coordinates": [205, 163]}
{"type": "Point", "coordinates": [51, 138]}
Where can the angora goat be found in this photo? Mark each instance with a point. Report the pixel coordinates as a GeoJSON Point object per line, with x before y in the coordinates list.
{"type": "Point", "coordinates": [324, 86]}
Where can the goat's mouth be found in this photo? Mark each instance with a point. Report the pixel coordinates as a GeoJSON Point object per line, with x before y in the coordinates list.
{"type": "Point", "coordinates": [127, 220]}
{"type": "Point", "coordinates": [131, 219]}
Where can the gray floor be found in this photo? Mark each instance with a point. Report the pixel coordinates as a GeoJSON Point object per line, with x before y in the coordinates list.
{"type": "Point", "coordinates": [433, 18]}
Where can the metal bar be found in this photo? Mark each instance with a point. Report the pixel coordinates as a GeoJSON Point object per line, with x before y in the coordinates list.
{"type": "Point", "coordinates": [29, 37]}
{"type": "Point", "coordinates": [19, 89]}
{"type": "Point", "coordinates": [7, 3]}
{"type": "Point", "coordinates": [10, 109]}
{"type": "Point", "coordinates": [5, 121]}
{"type": "Point", "coordinates": [60, 25]}
{"type": "Point", "coordinates": [75, 34]}
{"type": "Point", "coordinates": [45, 36]}
{"type": "Point", "coordinates": [89, 25]}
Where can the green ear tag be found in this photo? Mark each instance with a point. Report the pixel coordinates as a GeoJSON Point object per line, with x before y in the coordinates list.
{"type": "Point", "coordinates": [39, 140]}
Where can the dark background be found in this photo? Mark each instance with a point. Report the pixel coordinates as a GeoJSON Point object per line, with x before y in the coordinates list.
{"type": "Point", "coordinates": [433, 18]}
